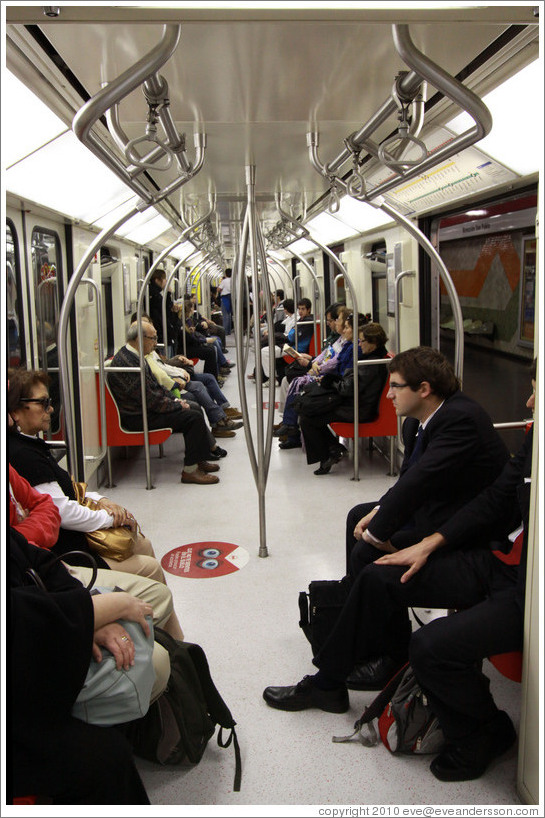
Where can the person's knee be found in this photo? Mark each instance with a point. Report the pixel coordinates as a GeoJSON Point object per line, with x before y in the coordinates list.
{"type": "Point", "coordinates": [427, 649]}
{"type": "Point", "coordinates": [362, 555]}
{"type": "Point", "coordinates": [150, 568]}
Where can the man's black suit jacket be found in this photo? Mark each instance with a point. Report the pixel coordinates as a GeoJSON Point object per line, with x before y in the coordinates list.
{"type": "Point", "coordinates": [461, 455]}
{"type": "Point", "coordinates": [498, 510]}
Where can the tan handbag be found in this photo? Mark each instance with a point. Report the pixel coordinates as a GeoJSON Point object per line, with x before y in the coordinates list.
{"type": "Point", "coordinates": [110, 543]}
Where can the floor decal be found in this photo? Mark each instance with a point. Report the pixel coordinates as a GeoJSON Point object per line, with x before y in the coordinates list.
{"type": "Point", "coordinates": [203, 560]}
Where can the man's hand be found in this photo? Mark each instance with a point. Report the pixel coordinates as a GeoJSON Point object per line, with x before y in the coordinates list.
{"type": "Point", "coordinates": [304, 359]}
{"type": "Point", "coordinates": [180, 382]}
{"type": "Point", "coordinates": [415, 556]}
{"type": "Point", "coordinates": [385, 546]}
{"type": "Point", "coordinates": [114, 638]}
{"type": "Point", "coordinates": [183, 403]}
{"type": "Point", "coordinates": [364, 524]}
{"type": "Point", "coordinates": [184, 360]}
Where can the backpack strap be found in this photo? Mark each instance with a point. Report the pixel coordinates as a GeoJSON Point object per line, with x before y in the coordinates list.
{"type": "Point", "coordinates": [218, 710]}
{"type": "Point", "coordinates": [373, 711]}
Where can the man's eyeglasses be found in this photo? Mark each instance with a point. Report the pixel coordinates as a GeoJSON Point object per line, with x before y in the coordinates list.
{"type": "Point", "coordinates": [394, 385]}
{"type": "Point", "coordinates": [150, 337]}
{"type": "Point", "coordinates": [45, 402]}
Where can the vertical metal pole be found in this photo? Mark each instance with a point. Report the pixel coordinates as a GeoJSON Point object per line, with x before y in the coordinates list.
{"type": "Point", "coordinates": [64, 369]}
{"type": "Point", "coordinates": [445, 277]}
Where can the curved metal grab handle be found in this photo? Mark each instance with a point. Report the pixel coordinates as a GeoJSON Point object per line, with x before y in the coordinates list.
{"type": "Point", "coordinates": [428, 247]}
{"type": "Point", "coordinates": [141, 163]}
{"type": "Point", "coordinates": [401, 164]}
{"type": "Point", "coordinates": [123, 85]}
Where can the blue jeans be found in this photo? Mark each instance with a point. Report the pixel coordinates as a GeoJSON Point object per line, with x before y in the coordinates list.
{"type": "Point", "coordinates": [227, 313]}
{"type": "Point", "coordinates": [198, 392]}
{"type": "Point", "coordinates": [222, 360]}
{"type": "Point", "coordinates": [212, 387]}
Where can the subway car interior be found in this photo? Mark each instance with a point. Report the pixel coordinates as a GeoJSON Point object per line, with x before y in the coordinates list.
{"type": "Point", "coordinates": [381, 155]}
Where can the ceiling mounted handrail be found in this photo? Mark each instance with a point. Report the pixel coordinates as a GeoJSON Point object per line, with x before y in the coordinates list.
{"type": "Point", "coordinates": [407, 90]}
{"type": "Point", "coordinates": [109, 97]}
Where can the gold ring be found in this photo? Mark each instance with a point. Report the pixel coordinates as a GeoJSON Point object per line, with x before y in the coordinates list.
{"type": "Point", "coordinates": [124, 638]}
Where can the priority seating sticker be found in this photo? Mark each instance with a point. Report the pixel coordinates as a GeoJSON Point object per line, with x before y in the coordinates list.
{"type": "Point", "coordinates": [203, 560]}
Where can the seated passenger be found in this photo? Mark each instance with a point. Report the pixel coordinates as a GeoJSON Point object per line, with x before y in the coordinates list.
{"type": "Point", "coordinates": [321, 444]}
{"type": "Point", "coordinates": [35, 516]}
{"type": "Point", "coordinates": [326, 362]}
{"type": "Point", "coordinates": [281, 331]}
{"type": "Point", "coordinates": [163, 410]}
{"type": "Point", "coordinates": [458, 566]}
{"type": "Point", "coordinates": [191, 322]}
{"type": "Point", "coordinates": [172, 379]}
{"type": "Point", "coordinates": [52, 754]}
{"type": "Point", "coordinates": [207, 326]}
{"type": "Point", "coordinates": [31, 459]}
{"type": "Point", "coordinates": [457, 454]}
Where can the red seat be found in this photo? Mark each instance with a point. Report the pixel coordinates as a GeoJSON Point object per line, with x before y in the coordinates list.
{"type": "Point", "coordinates": [116, 435]}
{"type": "Point", "coordinates": [508, 664]}
{"type": "Point", "coordinates": [385, 424]}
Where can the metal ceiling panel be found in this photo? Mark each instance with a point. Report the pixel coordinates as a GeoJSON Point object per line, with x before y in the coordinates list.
{"type": "Point", "coordinates": [256, 81]}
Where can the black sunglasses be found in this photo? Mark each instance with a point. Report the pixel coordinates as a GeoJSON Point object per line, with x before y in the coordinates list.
{"type": "Point", "coordinates": [45, 402]}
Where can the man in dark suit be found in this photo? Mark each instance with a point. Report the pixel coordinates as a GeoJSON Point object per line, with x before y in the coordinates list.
{"type": "Point", "coordinates": [452, 453]}
{"type": "Point", "coordinates": [446, 654]}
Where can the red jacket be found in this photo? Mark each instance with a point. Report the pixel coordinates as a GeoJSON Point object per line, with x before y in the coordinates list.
{"type": "Point", "coordinates": [42, 524]}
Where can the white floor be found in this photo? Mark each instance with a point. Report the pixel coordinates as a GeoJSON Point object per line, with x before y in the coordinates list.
{"type": "Point", "coordinates": [247, 623]}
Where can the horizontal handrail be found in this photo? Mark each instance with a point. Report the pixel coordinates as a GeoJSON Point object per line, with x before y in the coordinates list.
{"type": "Point", "coordinates": [515, 424]}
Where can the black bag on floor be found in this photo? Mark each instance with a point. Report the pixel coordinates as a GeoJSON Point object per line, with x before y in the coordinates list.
{"type": "Point", "coordinates": [319, 609]}
{"type": "Point", "coordinates": [179, 724]}
{"type": "Point", "coordinates": [405, 721]}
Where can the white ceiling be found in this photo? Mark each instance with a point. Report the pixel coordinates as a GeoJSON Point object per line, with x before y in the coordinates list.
{"type": "Point", "coordinates": [255, 85]}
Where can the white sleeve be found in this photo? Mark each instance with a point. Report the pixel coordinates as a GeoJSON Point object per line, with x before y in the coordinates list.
{"type": "Point", "coordinates": [74, 516]}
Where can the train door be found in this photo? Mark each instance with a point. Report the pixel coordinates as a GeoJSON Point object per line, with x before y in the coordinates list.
{"type": "Point", "coordinates": [17, 348]}
{"type": "Point", "coordinates": [36, 264]}
{"type": "Point", "coordinates": [46, 281]}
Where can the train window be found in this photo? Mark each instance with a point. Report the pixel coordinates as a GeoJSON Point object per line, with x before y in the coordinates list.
{"type": "Point", "coordinates": [16, 325]}
{"type": "Point", "coordinates": [46, 270]}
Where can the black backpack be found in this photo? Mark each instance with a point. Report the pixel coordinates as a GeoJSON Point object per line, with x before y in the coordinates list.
{"type": "Point", "coordinates": [179, 724]}
{"type": "Point", "coordinates": [405, 721]}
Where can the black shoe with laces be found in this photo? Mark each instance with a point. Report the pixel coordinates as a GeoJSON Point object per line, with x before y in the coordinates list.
{"type": "Point", "coordinates": [305, 695]}
{"type": "Point", "coordinates": [325, 466]}
{"type": "Point", "coordinates": [217, 454]}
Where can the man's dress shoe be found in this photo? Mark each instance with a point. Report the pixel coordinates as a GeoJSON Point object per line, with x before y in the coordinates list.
{"type": "Point", "coordinates": [373, 675]}
{"type": "Point", "coordinates": [304, 695]}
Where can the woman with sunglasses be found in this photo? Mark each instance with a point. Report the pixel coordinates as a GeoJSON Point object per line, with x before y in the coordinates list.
{"type": "Point", "coordinates": [30, 409]}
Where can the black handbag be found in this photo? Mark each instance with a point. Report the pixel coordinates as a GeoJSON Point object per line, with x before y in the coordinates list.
{"type": "Point", "coordinates": [319, 609]}
{"type": "Point", "coordinates": [316, 400]}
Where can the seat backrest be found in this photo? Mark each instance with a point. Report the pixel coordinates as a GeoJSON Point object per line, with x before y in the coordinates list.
{"type": "Point", "coordinates": [116, 435]}
{"type": "Point", "coordinates": [385, 425]}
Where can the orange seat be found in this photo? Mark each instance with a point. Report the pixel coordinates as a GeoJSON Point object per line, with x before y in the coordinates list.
{"type": "Point", "coordinates": [385, 424]}
{"type": "Point", "coordinates": [116, 435]}
{"type": "Point", "coordinates": [508, 664]}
